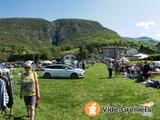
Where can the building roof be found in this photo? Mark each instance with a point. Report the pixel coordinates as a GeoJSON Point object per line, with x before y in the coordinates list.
{"type": "Point", "coordinates": [157, 44]}
{"type": "Point", "coordinates": [146, 50]}
{"type": "Point", "coordinates": [112, 47]}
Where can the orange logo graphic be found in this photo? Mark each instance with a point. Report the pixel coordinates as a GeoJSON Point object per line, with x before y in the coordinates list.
{"type": "Point", "coordinates": [92, 109]}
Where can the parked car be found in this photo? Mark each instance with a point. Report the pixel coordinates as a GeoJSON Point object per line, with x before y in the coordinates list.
{"type": "Point", "coordinates": [107, 60]}
{"type": "Point", "coordinates": [4, 70]}
{"type": "Point", "coordinates": [156, 64]}
{"type": "Point", "coordinates": [62, 71]}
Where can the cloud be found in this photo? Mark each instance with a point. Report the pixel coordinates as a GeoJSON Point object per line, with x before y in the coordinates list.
{"type": "Point", "coordinates": [143, 34]}
{"type": "Point", "coordinates": [150, 29]}
{"type": "Point", "coordinates": [147, 25]}
{"type": "Point", "coordinates": [157, 36]}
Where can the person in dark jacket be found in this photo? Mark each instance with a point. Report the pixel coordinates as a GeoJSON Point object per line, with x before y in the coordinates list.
{"type": "Point", "coordinates": [146, 69]}
{"type": "Point", "coordinates": [83, 65]}
{"type": "Point", "coordinates": [117, 67]}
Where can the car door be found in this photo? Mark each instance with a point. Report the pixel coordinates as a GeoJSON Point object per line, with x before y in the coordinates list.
{"type": "Point", "coordinates": [64, 71]}
{"type": "Point", "coordinates": [67, 71]}
{"type": "Point", "coordinates": [52, 70]}
{"type": "Point", "coordinates": [60, 71]}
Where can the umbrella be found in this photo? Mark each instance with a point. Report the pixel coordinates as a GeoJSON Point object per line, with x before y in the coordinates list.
{"type": "Point", "coordinates": [47, 62]}
{"type": "Point", "coordinates": [108, 59]}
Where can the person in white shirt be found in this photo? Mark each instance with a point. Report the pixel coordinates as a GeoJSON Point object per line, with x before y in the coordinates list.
{"type": "Point", "coordinates": [110, 68]}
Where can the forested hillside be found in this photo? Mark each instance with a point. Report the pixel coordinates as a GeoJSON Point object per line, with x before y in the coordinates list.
{"type": "Point", "coordinates": [39, 36]}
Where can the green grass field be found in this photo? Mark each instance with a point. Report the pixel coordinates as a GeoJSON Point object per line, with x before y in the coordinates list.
{"type": "Point", "coordinates": [64, 99]}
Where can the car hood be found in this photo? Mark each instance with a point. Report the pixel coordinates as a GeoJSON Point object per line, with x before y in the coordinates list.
{"type": "Point", "coordinates": [79, 70]}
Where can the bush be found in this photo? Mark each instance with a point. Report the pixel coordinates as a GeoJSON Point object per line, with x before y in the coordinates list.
{"type": "Point", "coordinates": [154, 57]}
{"type": "Point", "coordinates": [66, 48]}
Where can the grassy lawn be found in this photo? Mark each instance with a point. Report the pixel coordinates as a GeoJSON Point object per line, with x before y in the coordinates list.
{"type": "Point", "coordinates": [64, 99]}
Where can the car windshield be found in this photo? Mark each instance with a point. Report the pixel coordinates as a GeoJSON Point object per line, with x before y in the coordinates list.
{"type": "Point", "coordinates": [68, 67]}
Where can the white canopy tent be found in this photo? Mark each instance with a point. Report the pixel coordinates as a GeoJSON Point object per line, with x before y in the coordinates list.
{"type": "Point", "coordinates": [141, 56]}
{"type": "Point", "coordinates": [108, 59]}
{"type": "Point", "coordinates": [124, 59]}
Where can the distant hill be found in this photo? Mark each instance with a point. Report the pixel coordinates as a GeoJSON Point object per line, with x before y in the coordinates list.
{"type": "Point", "coordinates": [24, 35]}
{"type": "Point", "coordinates": [34, 35]}
{"type": "Point", "coordinates": [152, 42]}
{"type": "Point", "coordinates": [28, 35]}
{"type": "Point", "coordinates": [146, 41]}
{"type": "Point", "coordinates": [76, 31]}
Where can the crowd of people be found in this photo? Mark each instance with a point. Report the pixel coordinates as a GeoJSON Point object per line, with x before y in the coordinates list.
{"type": "Point", "coordinates": [140, 71]}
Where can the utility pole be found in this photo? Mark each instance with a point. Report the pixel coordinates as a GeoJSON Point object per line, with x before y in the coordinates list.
{"type": "Point", "coordinates": [31, 42]}
{"type": "Point", "coordinates": [32, 53]}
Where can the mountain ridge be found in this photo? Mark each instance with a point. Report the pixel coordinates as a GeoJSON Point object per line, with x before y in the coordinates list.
{"type": "Point", "coordinates": [25, 35]}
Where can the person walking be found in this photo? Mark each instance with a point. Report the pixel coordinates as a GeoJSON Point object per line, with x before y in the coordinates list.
{"type": "Point", "coordinates": [30, 89]}
{"type": "Point", "coordinates": [110, 68]}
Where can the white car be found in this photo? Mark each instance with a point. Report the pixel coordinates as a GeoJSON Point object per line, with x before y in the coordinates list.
{"type": "Point", "coordinates": [4, 70]}
{"type": "Point", "coordinates": [156, 64]}
{"type": "Point", "coordinates": [63, 71]}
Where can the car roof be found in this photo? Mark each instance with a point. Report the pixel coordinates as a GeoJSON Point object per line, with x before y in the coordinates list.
{"type": "Point", "coordinates": [57, 65]}
{"type": "Point", "coordinates": [155, 61]}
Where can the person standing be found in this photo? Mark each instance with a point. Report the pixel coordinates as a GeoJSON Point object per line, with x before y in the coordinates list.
{"type": "Point", "coordinates": [29, 89]}
{"type": "Point", "coordinates": [117, 67]}
{"type": "Point", "coordinates": [83, 65]}
{"type": "Point", "coordinates": [146, 69]}
{"type": "Point", "coordinates": [110, 68]}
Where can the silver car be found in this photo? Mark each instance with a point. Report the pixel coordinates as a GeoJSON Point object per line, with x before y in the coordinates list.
{"type": "Point", "coordinates": [63, 71]}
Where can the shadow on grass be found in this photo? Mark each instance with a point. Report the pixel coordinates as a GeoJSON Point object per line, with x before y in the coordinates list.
{"type": "Point", "coordinates": [106, 78]}
{"type": "Point", "coordinates": [111, 77]}
{"type": "Point", "coordinates": [7, 117]}
{"type": "Point", "coordinates": [20, 118]}
{"type": "Point", "coordinates": [57, 78]}
{"type": "Point", "coordinates": [102, 78]}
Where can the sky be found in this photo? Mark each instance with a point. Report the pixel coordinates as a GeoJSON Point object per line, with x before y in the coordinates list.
{"type": "Point", "coordinates": [129, 18]}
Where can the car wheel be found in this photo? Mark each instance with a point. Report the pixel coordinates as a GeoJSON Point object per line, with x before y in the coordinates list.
{"type": "Point", "coordinates": [74, 76]}
{"type": "Point", "coordinates": [47, 75]}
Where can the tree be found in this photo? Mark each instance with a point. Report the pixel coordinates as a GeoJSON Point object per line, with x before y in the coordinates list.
{"type": "Point", "coordinates": [141, 47]}
{"type": "Point", "coordinates": [45, 54]}
{"type": "Point", "coordinates": [83, 53]}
